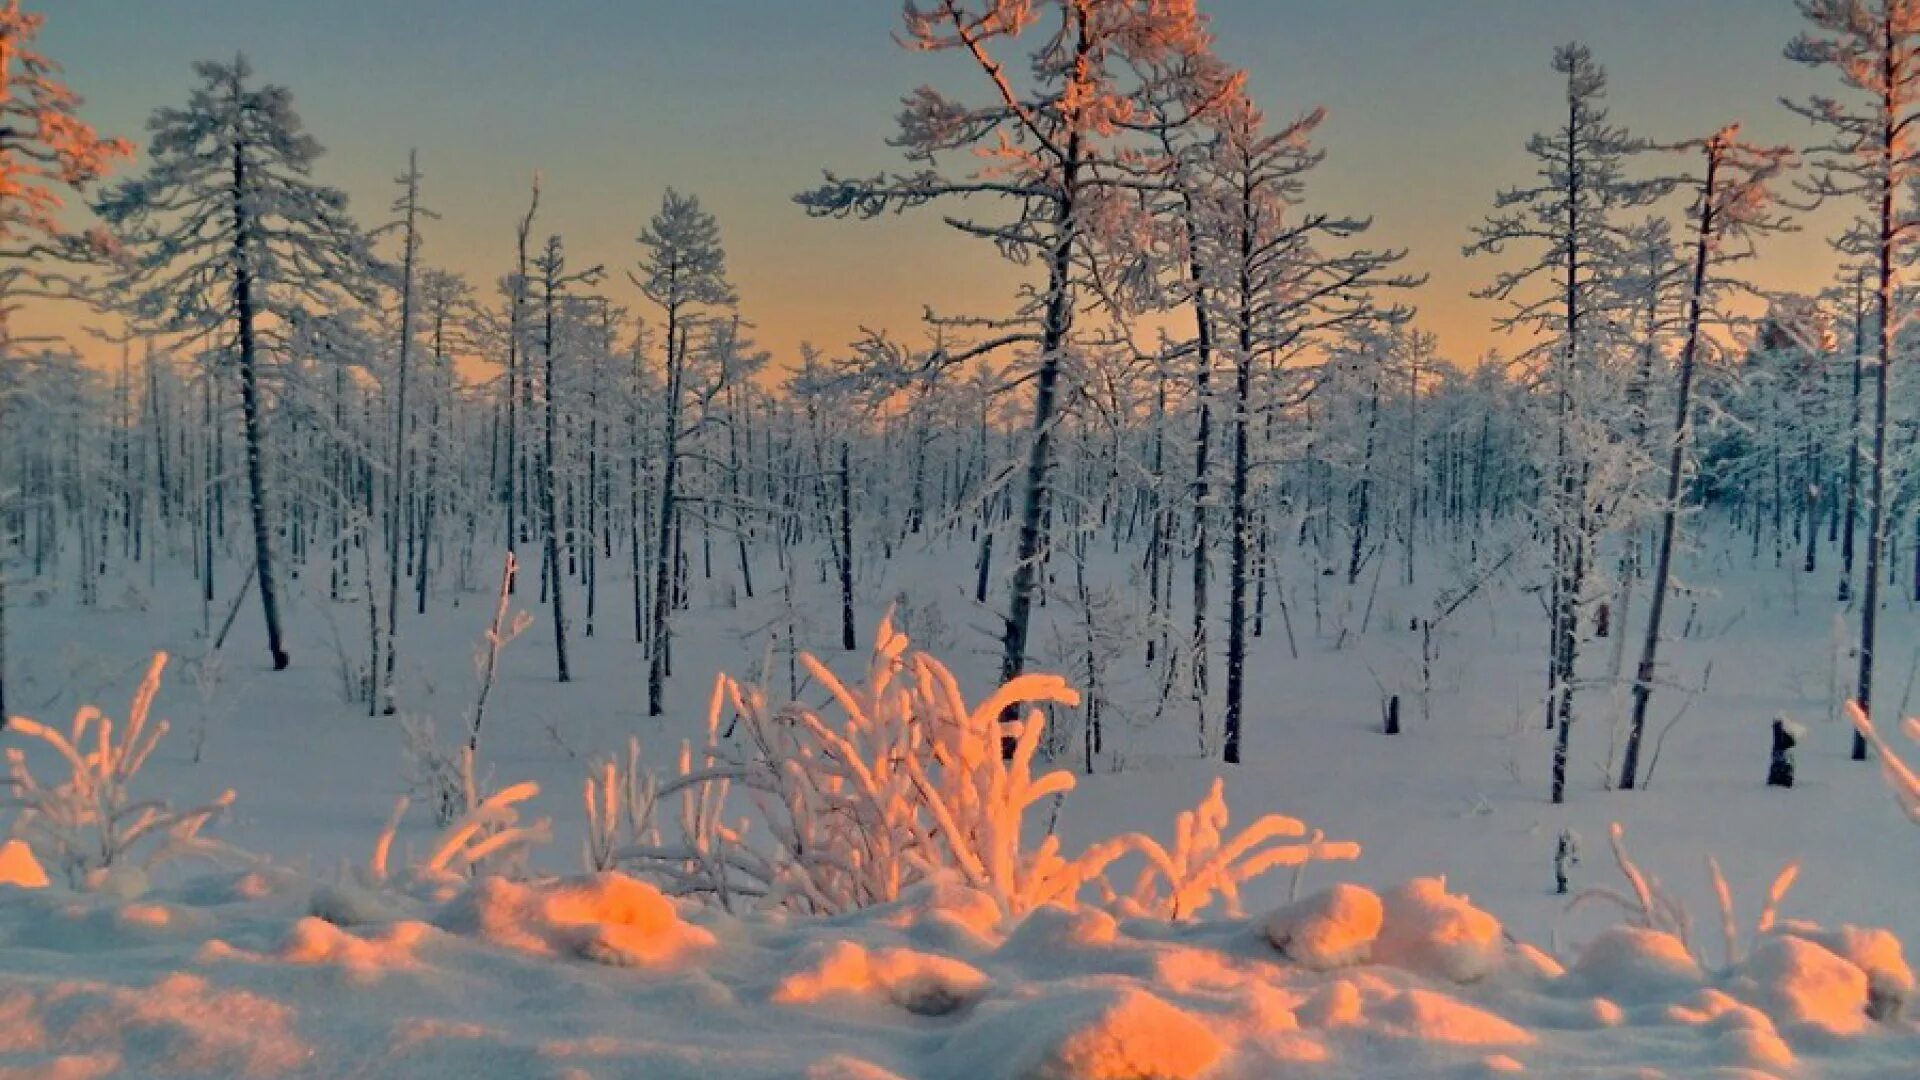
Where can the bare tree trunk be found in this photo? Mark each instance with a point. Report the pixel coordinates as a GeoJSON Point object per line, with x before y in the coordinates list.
{"type": "Point", "coordinates": [1238, 525]}
{"type": "Point", "coordinates": [663, 569]}
{"type": "Point", "coordinates": [1853, 448]}
{"type": "Point", "coordinates": [1676, 467]}
{"type": "Point", "coordinates": [549, 485]}
{"type": "Point", "coordinates": [1876, 498]}
{"type": "Point", "coordinates": [1363, 497]}
{"type": "Point", "coordinates": [1033, 508]}
{"type": "Point", "coordinates": [251, 408]}
{"type": "Point", "coordinates": [847, 639]}
{"type": "Point", "coordinates": [397, 479]}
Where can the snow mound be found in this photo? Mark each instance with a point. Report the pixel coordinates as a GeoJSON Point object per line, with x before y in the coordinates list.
{"type": "Point", "coordinates": [1331, 929]}
{"type": "Point", "coordinates": [19, 868]}
{"type": "Point", "coordinates": [1427, 930]}
{"type": "Point", "coordinates": [1432, 1017]}
{"type": "Point", "coordinates": [1338, 1004]}
{"type": "Point", "coordinates": [95, 1066]}
{"type": "Point", "coordinates": [1802, 983]}
{"type": "Point", "coordinates": [179, 1025]}
{"type": "Point", "coordinates": [842, 1067]}
{"type": "Point", "coordinates": [921, 983]}
{"type": "Point", "coordinates": [1094, 1033]}
{"type": "Point", "coordinates": [608, 918]}
{"type": "Point", "coordinates": [1634, 965]}
{"type": "Point", "coordinates": [1876, 952]}
{"type": "Point", "coordinates": [1055, 930]}
{"type": "Point", "coordinates": [945, 912]}
{"type": "Point", "coordinates": [1761, 1050]}
{"type": "Point", "coordinates": [318, 942]}
{"type": "Point", "coordinates": [346, 903]}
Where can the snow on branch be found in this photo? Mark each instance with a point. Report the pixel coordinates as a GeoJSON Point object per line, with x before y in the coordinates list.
{"type": "Point", "coordinates": [1900, 776]}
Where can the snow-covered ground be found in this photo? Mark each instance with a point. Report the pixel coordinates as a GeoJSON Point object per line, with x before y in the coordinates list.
{"type": "Point", "coordinates": [218, 972]}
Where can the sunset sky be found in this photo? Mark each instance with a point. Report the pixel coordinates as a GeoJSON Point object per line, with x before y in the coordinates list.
{"type": "Point", "coordinates": [744, 102]}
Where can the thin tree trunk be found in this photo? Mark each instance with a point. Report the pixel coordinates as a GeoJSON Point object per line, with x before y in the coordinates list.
{"type": "Point", "coordinates": [1676, 466]}
{"type": "Point", "coordinates": [252, 407]}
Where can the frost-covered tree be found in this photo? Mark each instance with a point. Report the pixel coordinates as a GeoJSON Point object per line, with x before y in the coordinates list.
{"type": "Point", "coordinates": [227, 236]}
{"type": "Point", "coordinates": [684, 273]}
{"type": "Point", "coordinates": [1569, 218]}
{"type": "Point", "coordinates": [446, 308]}
{"type": "Point", "coordinates": [552, 278]}
{"type": "Point", "coordinates": [1059, 149]}
{"type": "Point", "coordinates": [411, 212]}
{"type": "Point", "coordinates": [1277, 284]}
{"type": "Point", "coordinates": [1872, 153]}
{"type": "Point", "coordinates": [1733, 203]}
{"type": "Point", "coordinates": [46, 152]}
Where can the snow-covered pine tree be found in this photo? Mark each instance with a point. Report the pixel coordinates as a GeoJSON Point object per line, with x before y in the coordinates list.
{"type": "Point", "coordinates": [411, 212]}
{"type": "Point", "coordinates": [552, 279]}
{"type": "Point", "coordinates": [684, 273]}
{"type": "Point", "coordinates": [229, 235]}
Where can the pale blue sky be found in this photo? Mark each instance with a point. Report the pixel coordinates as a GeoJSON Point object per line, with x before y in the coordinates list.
{"type": "Point", "coordinates": [744, 101]}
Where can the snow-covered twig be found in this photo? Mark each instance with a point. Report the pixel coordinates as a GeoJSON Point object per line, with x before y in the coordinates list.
{"type": "Point", "coordinates": [91, 824]}
{"type": "Point", "coordinates": [1651, 907]}
{"type": "Point", "coordinates": [1900, 777]}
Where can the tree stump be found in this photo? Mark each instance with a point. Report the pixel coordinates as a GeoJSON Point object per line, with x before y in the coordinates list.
{"type": "Point", "coordinates": [1780, 770]}
{"type": "Point", "coordinates": [1566, 855]}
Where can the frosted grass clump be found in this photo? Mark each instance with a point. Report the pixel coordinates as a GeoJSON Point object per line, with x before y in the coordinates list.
{"type": "Point", "coordinates": [909, 783]}
{"type": "Point", "coordinates": [92, 827]}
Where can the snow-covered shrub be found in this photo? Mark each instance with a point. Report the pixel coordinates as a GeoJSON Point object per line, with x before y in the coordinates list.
{"type": "Point", "coordinates": [433, 770]}
{"type": "Point", "coordinates": [92, 827]}
{"type": "Point", "coordinates": [620, 800]}
{"type": "Point", "coordinates": [444, 774]}
{"type": "Point", "coordinates": [909, 784]}
{"type": "Point", "coordinates": [489, 839]}
{"type": "Point", "coordinates": [1651, 907]}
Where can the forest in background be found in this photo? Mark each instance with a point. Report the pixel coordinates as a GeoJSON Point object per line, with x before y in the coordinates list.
{"type": "Point", "coordinates": [1203, 370]}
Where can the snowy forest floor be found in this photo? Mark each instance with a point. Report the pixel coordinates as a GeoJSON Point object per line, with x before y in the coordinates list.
{"type": "Point", "coordinates": [216, 975]}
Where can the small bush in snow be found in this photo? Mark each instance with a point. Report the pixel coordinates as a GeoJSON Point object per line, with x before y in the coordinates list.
{"type": "Point", "coordinates": [488, 839]}
{"type": "Point", "coordinates": [1651, 907]}
{"type": "Point", "coordinates": [908, 785]}
{"type": "Point", "coordinates": [620, 800]}
{"type": "Point", "coordinates": [91, 826]}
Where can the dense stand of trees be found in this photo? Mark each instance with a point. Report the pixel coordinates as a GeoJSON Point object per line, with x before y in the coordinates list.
{"type": "Point", "coordinates": [1205, 371]}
